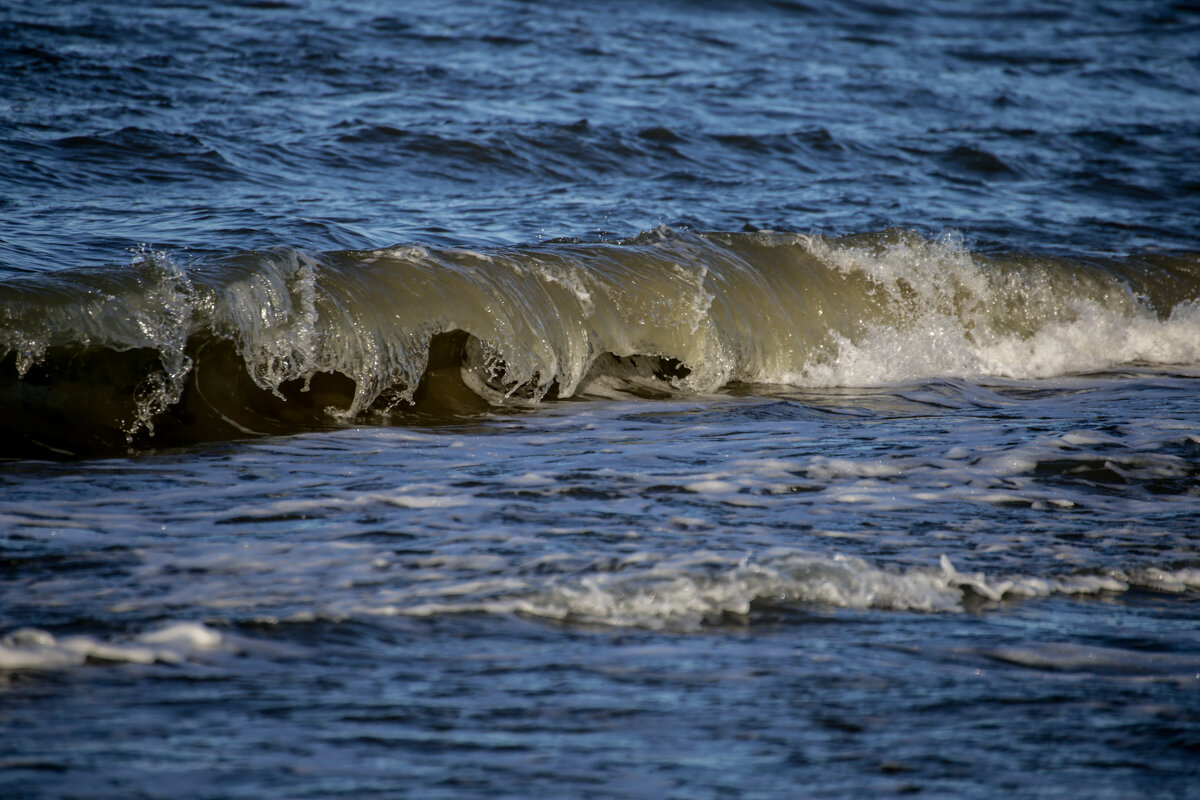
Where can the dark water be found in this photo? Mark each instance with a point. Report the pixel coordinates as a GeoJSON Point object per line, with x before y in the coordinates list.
{"type": "Point", "coordinates": [599, 400]}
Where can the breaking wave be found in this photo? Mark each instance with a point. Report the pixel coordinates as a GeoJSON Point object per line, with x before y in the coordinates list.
{"type": "Point", "coordinates": [159, 352]}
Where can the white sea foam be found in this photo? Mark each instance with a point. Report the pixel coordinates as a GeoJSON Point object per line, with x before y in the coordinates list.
{"type": "Point", "coordinates": [711, 486]}
{"type": "Point", "coordinates": [934, 310]}
{"type": "Point", "coordinates": [653, 591]}
{"type": "Point", "coordinates": [823, 469]}
{"type": "Point", "coordinates": [530, 479]}
{"type": "Point", "coordinates": [674, 593]}
{"type": "Point", "coordinates": [30, 648]}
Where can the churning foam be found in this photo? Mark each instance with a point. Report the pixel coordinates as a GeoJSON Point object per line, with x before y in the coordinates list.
{"type": "Point", "coordinates": [936, 310]}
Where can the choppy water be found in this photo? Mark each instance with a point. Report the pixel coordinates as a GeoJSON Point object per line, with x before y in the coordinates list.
{"type": "Point", "coordinates": [609, 400]}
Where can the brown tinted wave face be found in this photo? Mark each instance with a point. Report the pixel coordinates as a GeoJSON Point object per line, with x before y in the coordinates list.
{"type": "Point", "coordinates": [271, 342]}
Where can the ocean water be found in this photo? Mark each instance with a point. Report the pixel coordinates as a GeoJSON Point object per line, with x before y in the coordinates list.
{"type": "Point", "coordinates": [607, 399]}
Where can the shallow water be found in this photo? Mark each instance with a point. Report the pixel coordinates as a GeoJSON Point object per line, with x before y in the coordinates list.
{"type": "Point", "coordinates": [412, 400]}
{"type": "Point", "coordinates": [938, 587]}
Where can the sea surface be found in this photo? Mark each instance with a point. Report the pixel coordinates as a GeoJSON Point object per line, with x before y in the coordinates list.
{"type": "Point", "coordinates": [600, 399]}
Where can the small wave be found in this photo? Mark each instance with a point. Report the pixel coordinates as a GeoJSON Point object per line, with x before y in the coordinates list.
{"type": "Point", "coordinates": [643, 590]}
{"type": "Point", "coordinates": [266, 342]}
{"type": "Point", "coordinates": [685, 593]}
{"type": "Point", "coordinates": [1094, 660]}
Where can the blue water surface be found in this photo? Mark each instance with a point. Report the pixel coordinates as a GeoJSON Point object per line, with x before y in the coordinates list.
{"type": "Point", "coordinates": [945, 588]}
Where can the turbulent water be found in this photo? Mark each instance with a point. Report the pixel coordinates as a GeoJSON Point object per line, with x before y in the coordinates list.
{"type": "Point", "coordinates": [599, 400]}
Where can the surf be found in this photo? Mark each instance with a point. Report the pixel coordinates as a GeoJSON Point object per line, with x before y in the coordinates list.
{"type": "Point", "coordinates": [160, 351]}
